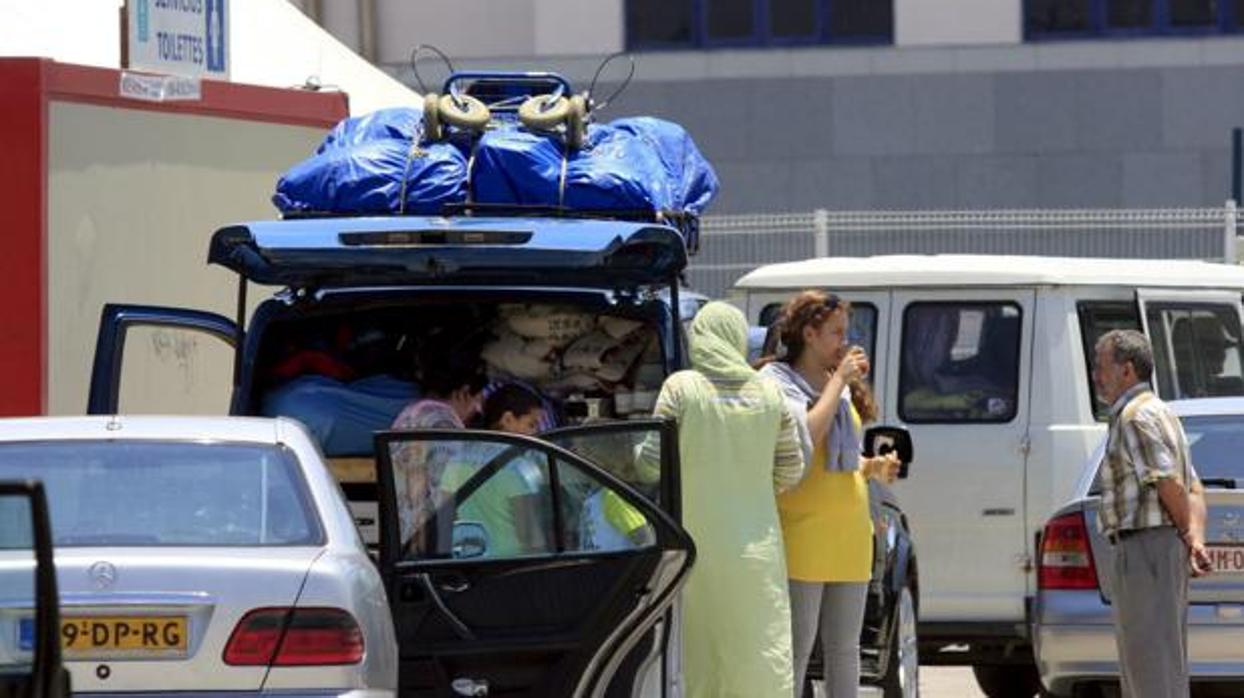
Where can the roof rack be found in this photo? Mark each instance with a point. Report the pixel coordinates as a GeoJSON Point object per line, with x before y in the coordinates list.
{"type": "Point", "coordinates": [687, 224]}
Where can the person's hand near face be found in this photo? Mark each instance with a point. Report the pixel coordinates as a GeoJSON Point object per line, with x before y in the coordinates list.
{"type": "Point", "coordinates": [853, 365]}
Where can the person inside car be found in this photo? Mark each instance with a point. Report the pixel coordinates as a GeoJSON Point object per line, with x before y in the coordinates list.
{"type": "Point", "coordinates": [451, 386]}
{"type": "Point", "coordinates": [508, 503]}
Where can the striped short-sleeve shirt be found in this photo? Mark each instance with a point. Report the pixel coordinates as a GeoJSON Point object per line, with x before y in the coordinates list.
{"type": "Point", "coordinates": [1146, 444]}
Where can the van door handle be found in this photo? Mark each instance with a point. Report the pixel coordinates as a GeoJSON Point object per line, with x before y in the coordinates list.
{"type": "Point", "coordinates": [1002, 511]}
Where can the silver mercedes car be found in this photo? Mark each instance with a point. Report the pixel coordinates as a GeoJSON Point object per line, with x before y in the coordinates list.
{"type": "Point", "coordinates": [197, 554]}
{"type": "Point", "coordinates": [1073, 631]}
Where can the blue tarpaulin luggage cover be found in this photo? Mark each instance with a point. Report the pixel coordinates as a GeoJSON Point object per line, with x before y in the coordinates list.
{"type": "Point", "coordinates": [629, 165]}
{"type": "Point", "coordinates": [375, 164]}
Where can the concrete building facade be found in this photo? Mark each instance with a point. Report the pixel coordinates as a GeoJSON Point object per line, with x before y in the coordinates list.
{"type": "Point", "coordinates": [967, 103]}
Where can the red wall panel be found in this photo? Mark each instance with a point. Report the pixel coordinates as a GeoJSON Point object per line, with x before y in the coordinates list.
{"type": "Point", "coordinates": [23, 172]}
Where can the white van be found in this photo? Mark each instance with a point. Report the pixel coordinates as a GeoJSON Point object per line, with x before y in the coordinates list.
{"type": "Point", "coordinates": [986, 360]}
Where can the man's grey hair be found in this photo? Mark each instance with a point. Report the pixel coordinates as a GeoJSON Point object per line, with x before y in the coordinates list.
{"type": "Point", "coordinates": [1129, 346]}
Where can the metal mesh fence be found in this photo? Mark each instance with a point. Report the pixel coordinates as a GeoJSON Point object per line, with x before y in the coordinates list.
{"type": "Point", "coordinates": [733, 245]}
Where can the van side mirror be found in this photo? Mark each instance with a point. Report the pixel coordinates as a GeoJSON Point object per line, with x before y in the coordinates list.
{"type": "Point", "coordinates": [35, 670]}
{"type": "Point", "coordinates": [881, 440]}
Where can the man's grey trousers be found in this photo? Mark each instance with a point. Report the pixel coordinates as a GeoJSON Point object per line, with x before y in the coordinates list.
{"type": "Point", "coordinates": [1150, 603]}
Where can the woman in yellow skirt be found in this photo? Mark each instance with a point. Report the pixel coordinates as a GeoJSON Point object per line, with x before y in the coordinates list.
{"type": "Point", "coordinates": [825, 518]}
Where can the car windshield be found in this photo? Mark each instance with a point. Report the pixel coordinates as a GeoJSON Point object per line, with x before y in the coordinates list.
{"type": "Point", "coordinates": [164, 493]}
{"type": "Point", "coordinates": [1216, 442]}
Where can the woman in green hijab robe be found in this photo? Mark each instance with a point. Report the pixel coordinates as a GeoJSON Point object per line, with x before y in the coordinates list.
{"type": "Point", "coordinates": [738, 447]}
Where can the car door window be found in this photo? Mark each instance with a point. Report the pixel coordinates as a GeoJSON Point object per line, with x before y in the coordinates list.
{"type": "Point", "coordinates": [478, 499]}
{"type": "Point", "coordinates": [960, 362]}
{"type": "Point", "coordinates": [170, 370]}
{"type": "Point", "coordinates": [630, 451]}
{"type": "Point", "coordinates": [155, 360]}
{"type": "Point", "coordinates": [1197, 349]}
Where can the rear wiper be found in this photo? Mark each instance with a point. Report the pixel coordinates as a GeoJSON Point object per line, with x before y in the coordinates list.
{"type": "Point", "coordinates": [1222, 483]}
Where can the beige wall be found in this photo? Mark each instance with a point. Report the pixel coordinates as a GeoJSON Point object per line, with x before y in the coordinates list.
{"type": "Point", "coordinates": [133, 198]}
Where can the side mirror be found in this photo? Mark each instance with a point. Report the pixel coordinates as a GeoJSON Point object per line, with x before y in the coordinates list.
{"type": "Point", "coordinates": [26, 540]}
{"type": "Point", "coordinates": [470, 540]}
{"type": "Point", "coordinates": [881, 440]}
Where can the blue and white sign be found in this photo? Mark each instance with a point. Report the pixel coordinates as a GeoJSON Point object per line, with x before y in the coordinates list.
{"type": "Point", "coordinates": [179, 37]}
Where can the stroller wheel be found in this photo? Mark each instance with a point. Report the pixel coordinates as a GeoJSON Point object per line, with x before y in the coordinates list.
{"type": "Point", "coordinates": [464, 111]}
{"type": "Point", "coordinates": [543, 113]}
{"type": "Point", "coordinates": [576, 123]}
{"type": "Point", "coordinates": [431, 117]}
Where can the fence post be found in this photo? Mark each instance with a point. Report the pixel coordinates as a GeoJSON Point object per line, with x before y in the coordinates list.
{"type": "Point", "coordinates": [1229, 232]}
{"type": "Point", "coordinates": [820, 232]}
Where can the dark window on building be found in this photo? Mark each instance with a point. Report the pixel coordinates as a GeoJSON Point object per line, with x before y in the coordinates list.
{"type": "Point", "coordinates": [793, 18]}
{"type": "Point", "coordinates": [660, 22]}
{"type": "Point", "coordinates": [685, 24]}
{"type": "Point", "coordinates": [730, 19]}
{"type": "Point", "coordinates": [1129, 14]}
{"type": "Point", "coordinates": [1046, 16]}
{"type": "Point", "coordinates": [1056, 19]}
{"type": "Point", "coordinates": [860, 18]}
{"type": "Point", "coordinates": [1194, 13]}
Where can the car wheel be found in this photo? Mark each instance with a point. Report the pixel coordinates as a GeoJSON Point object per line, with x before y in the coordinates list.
{"type": "Point", "coordinates": [1007, 680]}
{"type": "Point", "coordinates": [902, 674]}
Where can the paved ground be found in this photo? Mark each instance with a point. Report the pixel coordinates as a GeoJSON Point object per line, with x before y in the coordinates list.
{"type": "Point", "coordinates": [948, 682]}
{"type": "Point", "coordinates": [938, 682]}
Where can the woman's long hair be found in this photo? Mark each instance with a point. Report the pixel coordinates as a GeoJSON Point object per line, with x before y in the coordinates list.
{"type": "Point", "coordinates": [784, 340]}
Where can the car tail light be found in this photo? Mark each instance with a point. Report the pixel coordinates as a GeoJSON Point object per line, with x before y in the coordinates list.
{"type": "Point", "coordinates": [295, 637]}
{"type": "Point", "coordinates": [1066, 558]}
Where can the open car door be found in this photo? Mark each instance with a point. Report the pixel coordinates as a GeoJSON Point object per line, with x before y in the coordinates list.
{"type": "Point", "coordinates": [516, 567]}
{"type": "Point", "coordinates": [30, 658]}
{"type": "Point", "coordinates": [1196, 337]}
{"type": "Point", "coordinates": [156, 360]}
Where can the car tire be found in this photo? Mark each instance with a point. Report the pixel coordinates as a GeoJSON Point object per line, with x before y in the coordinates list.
{"type": "Point", "coordinates": [902, 674]}
{"type": "Point", "coordinates": [1007, 680]}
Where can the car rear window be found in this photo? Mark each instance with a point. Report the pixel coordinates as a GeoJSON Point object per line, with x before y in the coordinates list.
{"type": "Point", "coordinates": [164, 493]}
{"type": "Point", "coordinates": [1216, 442]}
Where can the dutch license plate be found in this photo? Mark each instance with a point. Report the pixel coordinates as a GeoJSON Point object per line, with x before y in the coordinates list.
{"type": "Point", "coordinates": [1227, 558]}
{"type": "Point", "coordinates": [92, 636]}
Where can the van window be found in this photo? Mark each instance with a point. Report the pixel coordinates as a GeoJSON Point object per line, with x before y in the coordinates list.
{"type": "Point", "coordinates": [1196, 349]}
{"type": "Point", "coordinates": [1096, 319]}
{"type": "Point", "coordinates": [960, 362]}
{"type": "Point", "coordinates": [862, 330]}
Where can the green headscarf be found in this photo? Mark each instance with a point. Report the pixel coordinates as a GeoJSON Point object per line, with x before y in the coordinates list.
{"type": "Point", "coordinates": [718, 339]}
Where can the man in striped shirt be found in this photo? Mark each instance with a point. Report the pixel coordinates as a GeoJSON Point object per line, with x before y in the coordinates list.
{"type": "Point", "coordinates": [1153, 514]}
